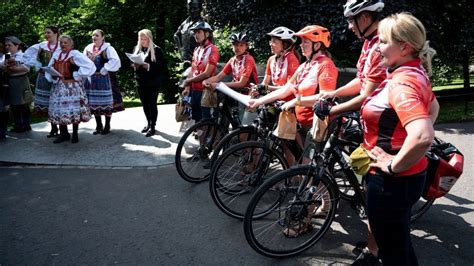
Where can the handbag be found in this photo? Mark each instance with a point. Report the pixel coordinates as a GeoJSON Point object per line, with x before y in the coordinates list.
{"type": "Point", "coordinates": [445, 166]}
{"type": "Point", "coordinates": [287, 126]}
{"type": "Point", "coordinates": [28, 96]}
{"type": "Point", "coordinates": [319, 128]}
{"type": "Point", "coordinates": [209, 98]}
{"type": "Point", "coordinates": [182, 110]}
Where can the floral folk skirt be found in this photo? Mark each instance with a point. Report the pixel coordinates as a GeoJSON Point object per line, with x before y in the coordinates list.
{"type": "Point", "coordinates": [68, 103]}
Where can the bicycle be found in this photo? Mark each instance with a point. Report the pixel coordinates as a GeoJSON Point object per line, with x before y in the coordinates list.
{"type": "Point", "coordinates": [289, 200]}
{"type": "Point", "coordinates": [198, 142]}
{"type": "Point", "coordinates": [194, 165]}
{"type": "Point", "coordinates": [243, 167]}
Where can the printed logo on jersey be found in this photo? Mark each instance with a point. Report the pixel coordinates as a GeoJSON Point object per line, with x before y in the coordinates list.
{"type": "Point", "coordinates": [405, 103]}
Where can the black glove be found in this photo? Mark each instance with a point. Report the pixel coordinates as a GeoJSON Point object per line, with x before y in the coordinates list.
{"type": "Point", "coordinates": [322, 108]}
{"type": "Point", "coordinates": [262, 89]}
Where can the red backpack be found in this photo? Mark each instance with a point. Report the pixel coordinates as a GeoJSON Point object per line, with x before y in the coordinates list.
{"type": "Point", "coordinates": [445, 166]}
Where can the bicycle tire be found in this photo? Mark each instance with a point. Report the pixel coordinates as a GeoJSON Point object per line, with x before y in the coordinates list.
{"type": "Point", "coordinates": [190, 165]}
{"type": "Point", "coordinates": [231, 184]}
{"type": "Point", "coordinates": [230, 139]}
{"type": "Point", "coordinates": [420, 208]}
{"type": "Point", "coordinates": [265, 234]}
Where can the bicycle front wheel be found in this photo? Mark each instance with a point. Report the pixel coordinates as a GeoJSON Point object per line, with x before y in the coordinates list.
{"type": "Point", "coordinates": [234, 137]}
{"type": "Point", "coordinates": [293, 224]}
{"type": "Point", "coordinates": [239, 171]}
{"type": "Point", "coordinates": [194, 150]}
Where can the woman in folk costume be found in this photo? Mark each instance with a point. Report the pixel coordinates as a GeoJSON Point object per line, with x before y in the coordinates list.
{"type": "Point", "coordinates": [19, 94]}
{"type": "Point", "coordinates": [39, 56]}
{"type": "Point", "coordinates": [68, 101]}
{"type": "Point", "coordinates": [99, 89]}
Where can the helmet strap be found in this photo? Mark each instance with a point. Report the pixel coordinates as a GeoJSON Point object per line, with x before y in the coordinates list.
{"type": "Point", "coordinates": [362, 33]}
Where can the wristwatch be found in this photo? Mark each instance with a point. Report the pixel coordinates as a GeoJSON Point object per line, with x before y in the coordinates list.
{"type": "Point", "coordinates": [389, 168]}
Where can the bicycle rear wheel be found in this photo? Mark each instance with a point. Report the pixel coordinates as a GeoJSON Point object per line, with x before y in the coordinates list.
{"type": "Point", "coordinates": [295, 207]}
{"type": "Point", "coordinates": [194, 150]}
{"type": "Point", "coordinates": [420, 208]}
{"type": "Point", "coordinates": [238, 172]}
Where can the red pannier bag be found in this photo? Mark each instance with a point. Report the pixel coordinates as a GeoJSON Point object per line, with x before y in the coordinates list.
{"type": "Point", "coordinates": [445, 166]}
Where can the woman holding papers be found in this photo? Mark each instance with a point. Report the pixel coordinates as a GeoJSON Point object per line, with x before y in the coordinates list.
{"type": "Point", "coordinates": [318, 73]}
{"type": "Point", "coordinates": [19, 92]}
{"type": "Point", "coordinates": [68, 101]}
{"type": "Point", "coordinates": [99, 89]}
{"type": "Point", "coordinates": [149, 75]}
{"type": "Point", "coordinates": [38, 56]}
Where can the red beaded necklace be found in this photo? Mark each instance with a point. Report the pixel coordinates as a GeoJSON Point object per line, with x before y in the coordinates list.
{"type": "Point", "coordinates": [55, 47]}
{"type": "Point", "coordinates": [60, 58]}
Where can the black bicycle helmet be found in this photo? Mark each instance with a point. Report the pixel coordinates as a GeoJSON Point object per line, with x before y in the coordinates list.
{"type": "Point", "coordinates": [201, 25]}
{"type": "Point", "coordinates": [354, 7]}
{"type": "Point", "coordinates": [351, 129]}
{"type": "Point", "coordinates": [239, 37]}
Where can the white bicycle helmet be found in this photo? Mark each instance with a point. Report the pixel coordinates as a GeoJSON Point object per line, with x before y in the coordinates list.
{"type": "Point", "coordinates": [354, 7]}
{"type": "Point", "coordinates": [283, 33]}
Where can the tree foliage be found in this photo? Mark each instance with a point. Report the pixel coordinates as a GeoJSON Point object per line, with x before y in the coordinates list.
{"type": "Point", "coordinates": [448, 25]}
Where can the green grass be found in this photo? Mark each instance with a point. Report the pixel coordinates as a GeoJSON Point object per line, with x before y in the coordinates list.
{"type": "Point", "coordinates": [455, 111]}
{"type": "Point", "coordinates": [456, 84]}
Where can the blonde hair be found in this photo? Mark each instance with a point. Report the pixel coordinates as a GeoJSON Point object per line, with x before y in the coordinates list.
{"type": "Point", "coordinates": [151, 45]}
{"type": "Point", "coordinates": [404, 27]}
{"type": "Point", "coordinates": [64, 36]}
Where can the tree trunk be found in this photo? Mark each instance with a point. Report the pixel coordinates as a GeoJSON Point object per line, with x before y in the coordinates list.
{"type": "Point", "coordinates": [465, 70]}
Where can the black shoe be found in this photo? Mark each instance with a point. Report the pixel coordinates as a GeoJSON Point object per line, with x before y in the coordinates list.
{"type": "Point", "coordinates": [150, 132]}
{"type": "Point", "coordinates": [106, 130]}
{"type": "Point", "coordinates": [52, 133]}
{"type": "Point", "coordinates": [98, 130]}
{"type": "Point", "coordinates": [74, 139]}
{"type": "Point", "coordinates": [366, 258]}
{"type": "Point", "coordinates": [145, 129]}
{"type": "Point", "coordinates": [62, 138]}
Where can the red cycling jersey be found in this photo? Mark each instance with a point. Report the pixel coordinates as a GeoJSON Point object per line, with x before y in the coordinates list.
{"type": "Point", "coordinates": [309, 79]}
{"type": "Point", "coordinates": [405, 96]}
{"type": "Point", "coordinates": [369, 66]}
{"type": "Point", "coordinates": [203, 56]}
{"type": "Point", "coordinates": [245, 67]}
{"type": "Point", "coordinates": [281, 69]}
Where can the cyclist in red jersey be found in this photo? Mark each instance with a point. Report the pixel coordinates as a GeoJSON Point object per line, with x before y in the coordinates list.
{"type": "Point", "coordinates": [397, 119]}
{"type": "Point", "coordinates": [242, 67]}
{"type": "Point", "coordinates": [363, 17]}
{"type": "Point", "coordinates": [317, 74]}
{"type": "Point", "coordinates": [203, 65]}
{"type": "Point", "coordinates": [283, 63]}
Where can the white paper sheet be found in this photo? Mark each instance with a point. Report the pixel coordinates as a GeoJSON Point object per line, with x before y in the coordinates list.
{"type": "Point", "coordinates": [244, 99]}
{"type": "Point", "coordinates": [53, 72]}
{"type": "Point", "coordinates": [136, 58]}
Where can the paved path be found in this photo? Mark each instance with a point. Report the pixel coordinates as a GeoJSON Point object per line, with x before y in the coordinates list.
{"type": "Point", "coordinates": [66, 210]}
{"type": "Point", "coordinates": [123, 146]}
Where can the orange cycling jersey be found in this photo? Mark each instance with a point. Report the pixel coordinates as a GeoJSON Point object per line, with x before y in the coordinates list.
{"type": "Point", "coordinates": [203, 56]}
{"type": "Point", "coordinates": [403, 97]}
{"type": "Point", "coordinates": [309, 79]}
